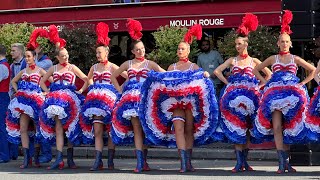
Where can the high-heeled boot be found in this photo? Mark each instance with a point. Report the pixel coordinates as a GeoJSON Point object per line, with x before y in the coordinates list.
{"type": "Point", "coordinates": [70, 161]}
{"type": "Point", "coordinates": [238, 167]}
{"type": "Point", "coordinates": [27, 161]}
{"type": "Point", "coordinates": [58, 163]}
{"type": "Point", "coordinates": [145, 164]}
{"type": "Point", "coordinates": [140, 161]}
{"type": "Point", "coordinates": [98, 164]}
{"type": "Point", "coordinates": [36, 156]}
{"type": "Point", "coordinates": [286, 161]}
{"type": "Point", "coordinates": [189, 157]}
{"type": "Point", "coordinates": [245, 163]}
{"type": "Point", "coordinates": [183, 160]}
{"type": "Point", "coordinates": [281, 161]}
{"type": "Point", "coordinates": [111, 153]}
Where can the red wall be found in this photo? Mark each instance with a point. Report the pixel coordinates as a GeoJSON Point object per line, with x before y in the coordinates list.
{"type": "Point", "coordinates": [25, 4]}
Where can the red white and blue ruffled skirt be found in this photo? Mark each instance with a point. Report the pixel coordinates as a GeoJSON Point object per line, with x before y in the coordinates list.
{"type": "Point", "coordinates": [126, 107]}
{"type": "Point", "coordinates": [162, 93]}
{"type": "Point", "coordinates": [283, 94]}
{"type": "Point", "coordinates": [100, 101]}
{"type": "Point", "coordinates": [312, 122]}
{"type": "Point", "coordinates": [65, 103]}
{"type": "Point", "coordinates": [28, 100]}
{"type": "Point", "coordinates": [238, 106]}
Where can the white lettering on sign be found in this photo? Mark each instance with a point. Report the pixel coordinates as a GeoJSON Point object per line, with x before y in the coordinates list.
{"type": "Point", "coordinates": [202, 22]}
{"type": "Point", "coordinates": [47, 27]}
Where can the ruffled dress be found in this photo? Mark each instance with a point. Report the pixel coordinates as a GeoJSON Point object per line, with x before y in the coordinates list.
{"type": "Point", "coordinates": [312, 122]}
{"type": "Point", "coordinates": [28, 100]}
{"type": "Point", "coordinates": [63, 102]}
{"type": "Point", "coordinates": [100, 101]}
{"type": "Point", "coordinates": [162, 93]}
{"type": "Point", "coordinates": [128, 106]}
{"type": "Point", "coordinates": [239, 103]}
{"type": "Point", "coordinates": [282, 93]}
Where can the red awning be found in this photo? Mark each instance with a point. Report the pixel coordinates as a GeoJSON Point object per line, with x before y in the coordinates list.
{"type": "Point", "coordinates": [152, 16]}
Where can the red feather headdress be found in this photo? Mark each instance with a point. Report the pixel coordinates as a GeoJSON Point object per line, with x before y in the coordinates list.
{"type": "Point", "coordinates": [249, 23]}
{"type": "Point", "coordinates": [134, 29]}
{"type": "Point", "coordinates": [54, 37]}
{"type": "Point", "coordinates": [286, 20]}
{"type": "Point", "coordinates": [194, 31]}
{"type": "Point", "coordinates": [102, 31]}
{"type": "Point", "coordinates": [33, 44]}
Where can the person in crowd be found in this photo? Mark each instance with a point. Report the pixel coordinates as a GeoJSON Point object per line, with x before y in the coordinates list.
{"type": "Point", "coordinates": [98, 106]}
{"type": "Point", "coordinates": [4, 102]}
{"type": "Point", "coordinates": [126, 125]}
{"type": "Point", "coordinates": [60, 111]}
{"type": "Point", "coordinates": [42, 60]}
{"type": "Point", "coordinates": [240, 99]}
{"type": "Point", "coordinates": [19, 63]}
{"type": "Point", "coordinates": [209, 60]}
{"type": "Point", "coordinates": [281, 114]}
{"type": "Point", "coordinates": [24, 109]}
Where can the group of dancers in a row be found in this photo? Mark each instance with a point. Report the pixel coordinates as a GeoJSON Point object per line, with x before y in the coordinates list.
{"type": "Point", "coordinates": [173, 108]}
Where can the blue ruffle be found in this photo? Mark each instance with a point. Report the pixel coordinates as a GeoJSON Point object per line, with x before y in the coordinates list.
{"type": "Point", "coordinates": [57, 86]}
{"type": "Point", "coordinates": [75, 135]}
{"type": "Point", "coordinates": [236, 91]}
{"type": "Point", "coordinates": [130, 86]}
{"type": "Point", "coordinates": [240, 78]}
{"type": "Point", "coordinates": [99, 104]}
{"type": "Point", "coordinates": [313, 111]}
{"type": "Point", "coordinates": [172, 79]}
{"type": "Point", "coordinates": [24, 85]}
{"type": "Point", "coordinates": [286, 78]}
{"type": "Point", "coordinates": [29, 101]}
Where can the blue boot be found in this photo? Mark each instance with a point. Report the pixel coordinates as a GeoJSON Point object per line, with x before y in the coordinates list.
{"type": "Point", "coordinates": [36, 156]}
{"type": "Point", "coordinates": [189, 156]}
{"type": "Point", "coordinates": [281, 157]}
{"type": "Point", "coordinates": [58, 163]}
{"type": "Point", "coordinates": [183, 160]}
{"type": "Point", "coordinates": [46, 153]}
{"type": "Point", "coordinates": [111, 153]}
{"type": "Point", "coordinates": [140, 161]}
{"type": "Point", "coordinates": [98, 164]}
{"type": "Point", "coordinates": [245, 163]}
{"type": "Point", "coordinates": [70, 161]}
{"type": "Point", "coordinates": [287, 165]}
{"type": "Point", "coordinates": [145, 164]}
{"type": "Point", "coordinates": [238, 167]}
{"type": "Point", "coordinates": [27, 161]}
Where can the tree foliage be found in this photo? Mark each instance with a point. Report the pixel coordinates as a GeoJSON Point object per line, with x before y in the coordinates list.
{"type": "Point", "coordinates": [81, 44]}
{"type": "Point", "coordinates": [19, 33]}
{"type": "Point", "coordinates": [262, 43]}
{"type": "Point", "coordinates": [167, 41]}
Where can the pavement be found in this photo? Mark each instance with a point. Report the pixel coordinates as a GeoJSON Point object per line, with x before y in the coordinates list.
{"type": "Point", "coordinates": [215, 151]}
{"type": "Point", "coordinates": [161, 169]}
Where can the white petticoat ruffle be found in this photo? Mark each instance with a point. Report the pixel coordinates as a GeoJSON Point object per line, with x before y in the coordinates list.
{"type": "Point", "coordinates": [90, 112]}
{"type": "Point", "coordinates": [14, 104]}
{"type": "Point", "coordinates": [250, 107]}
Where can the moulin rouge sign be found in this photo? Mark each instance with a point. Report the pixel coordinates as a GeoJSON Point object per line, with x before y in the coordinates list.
{"type": "Point", "coordinates": [202, 22]}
